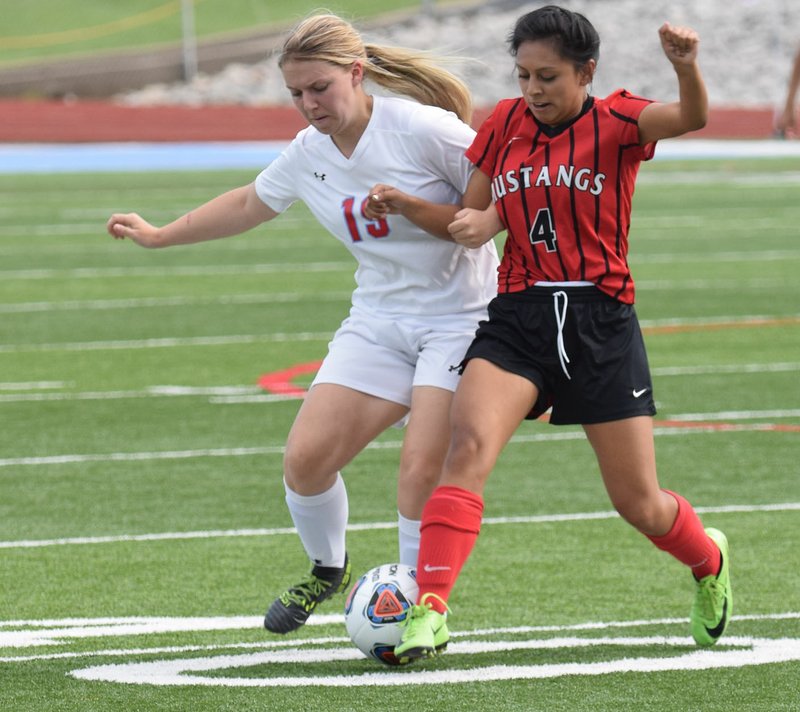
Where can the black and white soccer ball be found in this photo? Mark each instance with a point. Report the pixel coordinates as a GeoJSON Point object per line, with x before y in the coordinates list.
{"type": "Point", "coordinates": [376, 606]}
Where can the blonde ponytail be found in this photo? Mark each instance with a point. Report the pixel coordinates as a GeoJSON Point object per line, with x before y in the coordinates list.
{"type": "Point", "coordinates": [415, 74]}
{"type": "Point", "coordinates": [329, 38]}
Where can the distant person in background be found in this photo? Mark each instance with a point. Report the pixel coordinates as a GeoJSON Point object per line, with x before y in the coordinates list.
{"type": "Point", "coordinates": [419, 295]}
{"type": "Point", "coordinates": [787, 121]}
{"type": "Point", "coordinates": [562, 331]}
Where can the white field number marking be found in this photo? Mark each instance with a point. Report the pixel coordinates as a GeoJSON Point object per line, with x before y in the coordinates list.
{"type": "Point", "coordinates": [674, 652]}
{"type": "Point", "coordinates": [733, 652]}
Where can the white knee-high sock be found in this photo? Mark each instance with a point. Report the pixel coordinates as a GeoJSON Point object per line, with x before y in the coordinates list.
{"type": "Point", "coordinates": [408, 539]}
{"type": "Point", "coordinates": [321, 521]}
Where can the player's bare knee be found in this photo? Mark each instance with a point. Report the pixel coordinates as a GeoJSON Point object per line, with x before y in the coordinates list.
{"type": "Point", "coordinates": [469, 458]}
{"type": "Point", "coordinates": [307, 471]}
{"type": "Point", "coordinates": [420, 476]}
{"type": "Point", "coordinates": [420, 467]}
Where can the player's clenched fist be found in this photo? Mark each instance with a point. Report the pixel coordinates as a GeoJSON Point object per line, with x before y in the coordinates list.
{"type": "Point", "coordinates": [680, 44]}
{"type": "Point", "coordinates": [134, 227]}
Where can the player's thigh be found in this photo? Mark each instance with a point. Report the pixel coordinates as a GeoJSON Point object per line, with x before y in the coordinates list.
{"type": "Point", "coordinates": [333, 425]}
{"type": "Point", "coordinates": [488, 406]}
{"type": "Point", "coordinates": [626, 453]}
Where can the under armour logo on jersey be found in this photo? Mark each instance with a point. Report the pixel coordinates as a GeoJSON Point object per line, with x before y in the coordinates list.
{"type": "Point", "coordinates": [319, 176]}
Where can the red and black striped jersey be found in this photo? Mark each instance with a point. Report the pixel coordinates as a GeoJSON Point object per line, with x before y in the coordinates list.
{"type": "Point", "coordinates": [564, 194]}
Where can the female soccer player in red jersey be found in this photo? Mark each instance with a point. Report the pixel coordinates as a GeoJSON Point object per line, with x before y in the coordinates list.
{"type": "Point", "coordinates": [562, 332]}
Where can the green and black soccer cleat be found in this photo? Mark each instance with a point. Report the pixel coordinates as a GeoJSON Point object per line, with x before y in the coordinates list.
{"type": "Point", "coordinates": [713, 602]}
{"type": "Point", "coordinates": [293, 607]}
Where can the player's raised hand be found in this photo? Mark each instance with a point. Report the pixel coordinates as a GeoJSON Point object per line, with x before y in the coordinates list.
{"type": "Point", "coordinates": [134, 227]}
{"type": "Point", "coordinates": [680, 44]}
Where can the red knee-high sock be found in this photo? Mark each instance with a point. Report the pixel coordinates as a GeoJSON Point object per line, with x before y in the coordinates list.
{"type": "Point", "coordinates": [688, 542]}
{"type": "Point", "coordinates": [451, 521]}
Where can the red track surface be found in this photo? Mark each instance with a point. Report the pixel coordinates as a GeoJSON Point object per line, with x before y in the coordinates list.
{"type": "Point", "coordinates": [95, 121]}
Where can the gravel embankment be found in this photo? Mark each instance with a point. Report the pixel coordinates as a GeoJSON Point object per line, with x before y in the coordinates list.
{"type": "Point", "coordinates": [746, 52]}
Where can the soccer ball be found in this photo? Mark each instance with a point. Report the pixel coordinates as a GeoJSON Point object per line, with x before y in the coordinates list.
{"type": "Point", "coordinates": [376, 605]}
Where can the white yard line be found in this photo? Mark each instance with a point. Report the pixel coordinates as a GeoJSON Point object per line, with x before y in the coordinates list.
{"type": "Point", "coordinates": [715, 426]}
{"type": "Point", "coordinates": [694, 258]}
{"type": "Point", "coordinates": [180, 301]}
{"type": "Point", "coordinates": [34, 385]}
{"type": "Point", "coordinates": [175, 271]}
{"type": "Point", "coordinates": [213, 394]}
{"type": "Point", "coordinates": [737, 415]}
{"type": "Point", "coordinates": [228, 339]}
{"type": "Point", "coordinates": [32, 392]}
{"type": "Point", "coordinates": [79, 458]}
{"type": "Point", "coordinates": [294, 297]}
{"type": "Point", "coordinates": [166, 342]}
{"type": "Point", "coordinates": [368, 526]}
{"type": "Point", "coordinates": [718, 369]}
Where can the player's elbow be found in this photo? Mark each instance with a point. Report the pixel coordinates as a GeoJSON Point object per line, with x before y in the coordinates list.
{"type": "Point", "coordinates": [693, 120]}
{"type": "Point", "coordinates": [700, 120]}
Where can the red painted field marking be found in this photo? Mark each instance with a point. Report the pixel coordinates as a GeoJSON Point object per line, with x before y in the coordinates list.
{"type": "Point", "coordinates": [280, 382]}
{"type": "Point", "coordinates": [717, 326]}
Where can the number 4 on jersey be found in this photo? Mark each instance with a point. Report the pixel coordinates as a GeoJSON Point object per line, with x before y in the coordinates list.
{"type": "Point", "coordinates": [543, 230]}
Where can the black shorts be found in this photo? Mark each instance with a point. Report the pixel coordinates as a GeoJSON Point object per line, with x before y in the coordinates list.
{"type": "Point", "coordinates": [599, 374]}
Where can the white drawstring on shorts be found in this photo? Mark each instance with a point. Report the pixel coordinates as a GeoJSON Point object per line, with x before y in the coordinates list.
{"type": "Point", "coordinates": [561, 318]}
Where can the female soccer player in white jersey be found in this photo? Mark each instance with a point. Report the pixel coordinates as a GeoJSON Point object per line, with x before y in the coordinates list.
{"type": "Point", "coordinates": [418, 297]}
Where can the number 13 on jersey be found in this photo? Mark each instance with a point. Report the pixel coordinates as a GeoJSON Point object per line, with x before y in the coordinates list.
{"type": "Point", "coordinates": [375, 228]}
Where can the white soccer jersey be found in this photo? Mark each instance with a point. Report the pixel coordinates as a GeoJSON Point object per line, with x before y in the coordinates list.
{"type": "Point", "coordinates": [401, 269]}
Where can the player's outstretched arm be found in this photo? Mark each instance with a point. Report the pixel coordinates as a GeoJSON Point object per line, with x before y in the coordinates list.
{"type": "Point", "coordinates": [228, 214]}
{"type": "Point", "coordinates": [690, 112]}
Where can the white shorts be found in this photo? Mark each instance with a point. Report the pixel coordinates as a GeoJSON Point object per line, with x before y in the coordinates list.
{"type": "Point", "coordinates": [388, 357]}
